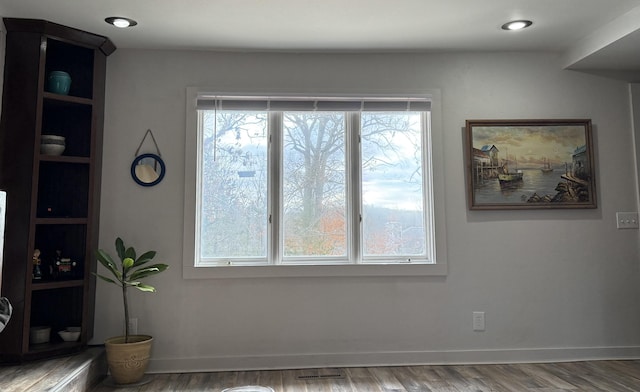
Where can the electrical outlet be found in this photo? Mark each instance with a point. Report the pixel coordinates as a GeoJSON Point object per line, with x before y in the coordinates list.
{"type": "Point", "coordinates": [627, 220]}
{"type": "Point", "coordinates": [478, 321]}
{"type": "Point", "coordinates": [133, 326]}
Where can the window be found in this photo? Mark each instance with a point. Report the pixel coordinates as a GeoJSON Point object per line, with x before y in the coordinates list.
{"type": "Point", "coordinates": [309, 181]}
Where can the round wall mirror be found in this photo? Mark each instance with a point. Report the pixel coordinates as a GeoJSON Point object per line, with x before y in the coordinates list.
{"type": "Point", "coordinates": [147, 169]}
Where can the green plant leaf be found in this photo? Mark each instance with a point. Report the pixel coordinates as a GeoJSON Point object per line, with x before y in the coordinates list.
{"type": "Point", "coordinates": [147, 271]}
{"type": "Point", "coordinates": [130, 253]}
{"type": "Point", "coordinates": [145, 258]}
{"type": "Point", "coordinates": [107, 262]}
{"type": "Point", "coordinates": [147, 288]}
{"type": "Point", "coordinates": [120, 248]}
{"type": "Point", "coordinates": [106, 279]}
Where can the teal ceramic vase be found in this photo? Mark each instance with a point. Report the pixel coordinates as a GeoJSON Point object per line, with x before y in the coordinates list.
{"type": "Point", "coordinates": [59, 82]}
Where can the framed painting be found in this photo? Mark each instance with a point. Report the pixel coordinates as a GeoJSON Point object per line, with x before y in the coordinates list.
{"type": "Point", "coordinates": [529, 164]}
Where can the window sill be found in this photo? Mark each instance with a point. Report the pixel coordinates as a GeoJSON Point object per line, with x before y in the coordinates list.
{"type": "Point", "coordinates": [301, 271]}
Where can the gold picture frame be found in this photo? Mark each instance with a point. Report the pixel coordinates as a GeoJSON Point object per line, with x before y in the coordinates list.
{"type": "Point", "coordinates": [529, 164]}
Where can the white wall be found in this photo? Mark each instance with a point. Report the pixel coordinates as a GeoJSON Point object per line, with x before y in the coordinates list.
{"type": "Point", "coordinates": [634, 93]}
{"type": "Point", "coordinates": [560, 284]}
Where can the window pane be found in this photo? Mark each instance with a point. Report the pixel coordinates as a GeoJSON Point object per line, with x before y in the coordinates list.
{"type": "Point", "coordinates": [314, 191]}
{"type": "Point", "coordinates": [233, 209]}
{"type": "Point", "coordinates": [392, 184]}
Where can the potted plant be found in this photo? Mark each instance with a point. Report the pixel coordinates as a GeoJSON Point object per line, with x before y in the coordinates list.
{"type": "Point", "coordinates": [128, 355]}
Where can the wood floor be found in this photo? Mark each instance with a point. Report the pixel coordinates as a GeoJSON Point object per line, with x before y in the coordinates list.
{"type": "Point", "coordinates": [569, 376]}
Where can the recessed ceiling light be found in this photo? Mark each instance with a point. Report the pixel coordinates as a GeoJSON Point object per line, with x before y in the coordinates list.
{"type": "Point", "coordinates": [517, 25]}
{"type": "Point", "coordinates": [121, 22]}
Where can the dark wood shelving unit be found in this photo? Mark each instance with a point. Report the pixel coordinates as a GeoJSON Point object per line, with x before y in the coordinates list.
{"type": "Point", "coordinates": [52, 201]}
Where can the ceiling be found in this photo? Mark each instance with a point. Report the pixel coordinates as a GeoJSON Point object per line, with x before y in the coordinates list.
{"type": "Point", "coordinates": [597, 36]}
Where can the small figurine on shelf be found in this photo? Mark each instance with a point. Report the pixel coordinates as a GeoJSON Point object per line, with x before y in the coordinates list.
{"type": "Point", "coordinates": [65, 266]}
{"type": "Point", "coordinates": [37, 273]}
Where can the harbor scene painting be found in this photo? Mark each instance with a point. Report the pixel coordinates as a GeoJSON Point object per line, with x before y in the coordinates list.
{"type": "Point", "coordinates": [530, 164]}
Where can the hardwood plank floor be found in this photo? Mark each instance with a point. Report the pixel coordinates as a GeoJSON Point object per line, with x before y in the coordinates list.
{"type": "Point", "coordinates": [67, 373]}
{"type": "Point", "coordinates": [587, 376]}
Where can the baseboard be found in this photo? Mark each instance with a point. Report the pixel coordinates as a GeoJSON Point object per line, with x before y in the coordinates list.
{"type": "Point", "coordinates": [389, 358]}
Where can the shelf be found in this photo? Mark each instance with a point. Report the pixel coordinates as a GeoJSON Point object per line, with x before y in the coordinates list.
{"type": "Point", "coordinates": [64, 159]}
{"type": "Point", "coordinates": [56, 284]}
{"type": "Point", "coordinates": [70, 118]}
{"type": "Point", "coordinates": [61, 221]}
{"type": "Point", "coordinates": [66, 99]}
{"type": "Point", "coordinates": [63, 189]}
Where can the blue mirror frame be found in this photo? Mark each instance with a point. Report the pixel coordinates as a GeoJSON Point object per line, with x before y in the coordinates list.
{"type": "Point", "coordinates": [158, 162]}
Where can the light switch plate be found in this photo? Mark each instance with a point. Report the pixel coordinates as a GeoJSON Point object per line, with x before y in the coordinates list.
{"type": "Point", "coordinates": [478, 321]}
{"type": "Point", "coordinates": [627, 220]}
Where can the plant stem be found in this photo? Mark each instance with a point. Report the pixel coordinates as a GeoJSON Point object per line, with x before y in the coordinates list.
{"type": "Point", "coordinates": [126, 312]}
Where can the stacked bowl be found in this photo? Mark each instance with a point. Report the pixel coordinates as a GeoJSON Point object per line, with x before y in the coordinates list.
{"type": "Point", "coordinates": [38, 335]}
{"type": "Point", "coordinates": [52, 144]}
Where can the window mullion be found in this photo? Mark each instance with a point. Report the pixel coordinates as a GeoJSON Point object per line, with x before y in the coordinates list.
{"type": "Point", "coordinates": [198, 190]}
{"type": "Point", "coordinates": [275, 188]}
{"type": "Point", "coordinates": [354, 187]}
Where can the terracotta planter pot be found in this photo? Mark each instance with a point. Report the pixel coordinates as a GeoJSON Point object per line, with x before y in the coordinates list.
{"type": "Point", "coordinates": [128, 361]}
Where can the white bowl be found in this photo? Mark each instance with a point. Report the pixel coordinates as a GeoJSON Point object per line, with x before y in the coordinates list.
{"type": "Point", "coordinates": [69, 336]}
{"type": "Point", "coordinates": [39, 335]}
{"type": "Point", "coordinates": [51, 149]}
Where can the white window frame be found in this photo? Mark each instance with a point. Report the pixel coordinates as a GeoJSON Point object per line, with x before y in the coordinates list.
{"type": "Point", "coordinates": [434, 178]}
